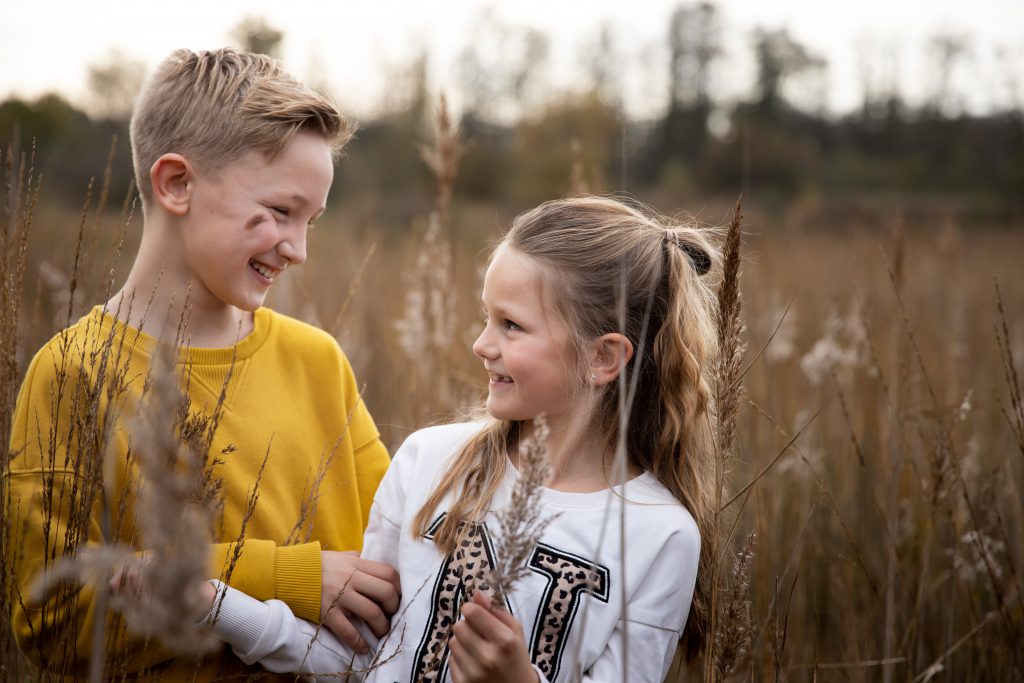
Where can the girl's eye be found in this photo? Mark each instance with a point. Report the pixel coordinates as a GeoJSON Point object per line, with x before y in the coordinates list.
{"type": "Point", "coordinates": [512, 326]}
{"type": "Point", "coordinates": [280, 210]}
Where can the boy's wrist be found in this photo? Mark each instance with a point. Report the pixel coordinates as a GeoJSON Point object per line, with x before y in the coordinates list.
{"type": "Point", "coordinates": [298, 578]}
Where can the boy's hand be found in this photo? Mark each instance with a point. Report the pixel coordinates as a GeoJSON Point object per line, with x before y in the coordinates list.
{"type": "Point", "coordinates": [488, 645]}
{"type": "Point", "coordinates": [361, 588]}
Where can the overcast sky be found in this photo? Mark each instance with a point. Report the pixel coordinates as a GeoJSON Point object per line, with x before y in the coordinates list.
{"type": "Point", "coordinates": [355, 48]}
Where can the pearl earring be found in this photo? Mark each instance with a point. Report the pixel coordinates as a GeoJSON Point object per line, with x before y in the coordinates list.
{"type": "Point", "coordinates": [593, 377]}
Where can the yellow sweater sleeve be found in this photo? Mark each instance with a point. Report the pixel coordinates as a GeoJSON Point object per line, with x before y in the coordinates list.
{"type": "Point", "coordinates": [54, 512]}
{"type": "Point", "coordinates": [297, 570]}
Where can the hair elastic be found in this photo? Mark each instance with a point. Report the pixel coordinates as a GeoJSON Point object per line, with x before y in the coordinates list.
{"type": "Point", "coordinates": [698, 257]}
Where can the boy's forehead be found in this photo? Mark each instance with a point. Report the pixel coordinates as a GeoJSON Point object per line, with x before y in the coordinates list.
{"type": "Point", "coordinates": [302, 172]}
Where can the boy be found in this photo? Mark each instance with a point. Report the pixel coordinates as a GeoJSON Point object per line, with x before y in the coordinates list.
{"type": "Point", "coordinates": [233, 159]}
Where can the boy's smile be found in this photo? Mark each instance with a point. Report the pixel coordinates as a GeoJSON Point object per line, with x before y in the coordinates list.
{"type": "Point", "coordinates": [265, 272]}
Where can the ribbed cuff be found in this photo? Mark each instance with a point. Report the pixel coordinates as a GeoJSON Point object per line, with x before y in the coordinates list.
{"type": "Point", "coordinates": [240, 619]}
{"type": "Point", "coordinates": [297, 579]}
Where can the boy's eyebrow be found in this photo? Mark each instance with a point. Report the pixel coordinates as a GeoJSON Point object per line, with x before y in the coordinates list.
{"type": "Point", "coordinates": [300, 199]}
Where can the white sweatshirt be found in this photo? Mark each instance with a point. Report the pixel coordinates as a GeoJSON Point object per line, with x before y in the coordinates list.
{"type": "Point", "coordinates": [590, 610]}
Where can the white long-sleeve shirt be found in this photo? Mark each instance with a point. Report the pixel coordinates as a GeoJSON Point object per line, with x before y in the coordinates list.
{"type": "Point", "coordinates": [590, 610]}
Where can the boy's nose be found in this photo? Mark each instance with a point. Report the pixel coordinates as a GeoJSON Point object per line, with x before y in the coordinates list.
{"type": "Point", "coordinates": [293, 247]}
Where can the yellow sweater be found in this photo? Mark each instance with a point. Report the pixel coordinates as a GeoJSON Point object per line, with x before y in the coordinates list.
{"type": "Point", "coordinates": [292, 397]}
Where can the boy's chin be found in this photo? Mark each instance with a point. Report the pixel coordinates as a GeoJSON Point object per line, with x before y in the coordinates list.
{"type": "Point", "coordinates": [248, 304]}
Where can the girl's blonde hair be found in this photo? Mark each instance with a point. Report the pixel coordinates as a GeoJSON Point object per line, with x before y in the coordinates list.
{"type": "Point", "coordinates": [615, 266]}
{"type": "Point", "coordinates": [214, 106]}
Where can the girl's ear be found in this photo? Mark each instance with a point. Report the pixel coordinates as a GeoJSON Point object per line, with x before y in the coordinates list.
{"type": "Point", "coordinates": [611, 353]}
{"type": "Point", "coordinates": [172, 180]}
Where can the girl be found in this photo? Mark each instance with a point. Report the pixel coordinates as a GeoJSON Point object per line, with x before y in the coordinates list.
{"type": "Point", "coordinates": [599, 319]}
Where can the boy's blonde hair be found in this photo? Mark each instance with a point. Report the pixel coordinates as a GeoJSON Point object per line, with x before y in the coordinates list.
{"type": "Point", "coordinates": [214, 106]}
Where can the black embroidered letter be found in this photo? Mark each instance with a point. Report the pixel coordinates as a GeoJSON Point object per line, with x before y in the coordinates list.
{"type": "Point", "coordinates": [466, 570]}
{"type": "Point", "coordinates": [568, 577]}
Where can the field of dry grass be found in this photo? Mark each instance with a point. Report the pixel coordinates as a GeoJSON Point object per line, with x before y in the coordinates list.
{"type": "Point", "coordinates": [879, 463]}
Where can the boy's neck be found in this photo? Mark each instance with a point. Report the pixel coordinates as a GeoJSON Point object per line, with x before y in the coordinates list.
{"type": "Point", "coordinates": [161, 316]}
{"type": "Point", "coordinates": [157, 297]}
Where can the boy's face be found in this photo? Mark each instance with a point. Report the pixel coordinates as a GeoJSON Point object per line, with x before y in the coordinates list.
{"type": "Point", "coordinates": [248, 221]}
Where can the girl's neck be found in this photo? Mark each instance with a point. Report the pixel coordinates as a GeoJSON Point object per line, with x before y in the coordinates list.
{"type": "Point", "coordinates": [580, 459]}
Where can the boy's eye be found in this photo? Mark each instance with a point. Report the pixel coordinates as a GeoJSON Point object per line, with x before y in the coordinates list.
{"type": "Point", "coordinates": [280, 210]}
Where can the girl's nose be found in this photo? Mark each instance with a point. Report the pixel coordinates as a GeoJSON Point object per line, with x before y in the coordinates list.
{"type": "Point", "coordinates": [484, 347]}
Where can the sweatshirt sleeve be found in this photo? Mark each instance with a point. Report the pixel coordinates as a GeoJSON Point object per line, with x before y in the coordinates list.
{"type": "Point", "coordinates": [265, 570]}
{"type": "Point", "coordinates": [383, 531]}
{"type": "Point", "coordinates": [269, 634]}
{"type": "Point", "coordinates": [650, 654]}
{"type": "Point", "coordinates": [52, 515]}
{"type": "Point", "coordinates": [643, 643]}
{"type": "Point", "coordinates": [294, 573]}
{"type": "Point", "coordinates": [370, 454]}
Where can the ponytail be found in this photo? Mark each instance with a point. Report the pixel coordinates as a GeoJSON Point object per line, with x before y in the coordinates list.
{"type": "Point", "coordinates": [684, 351]}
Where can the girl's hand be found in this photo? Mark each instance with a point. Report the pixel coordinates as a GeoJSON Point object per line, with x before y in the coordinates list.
{"type": "Point", "coordinates": [128, 583]}
{"type": "Point", "coordinates": [488, 645]}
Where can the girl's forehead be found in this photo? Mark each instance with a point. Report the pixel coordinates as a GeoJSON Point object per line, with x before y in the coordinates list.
{"type": "Point", "coordinates": [511, 267]}
{"type": "Point", "coordinates": [521, 285]}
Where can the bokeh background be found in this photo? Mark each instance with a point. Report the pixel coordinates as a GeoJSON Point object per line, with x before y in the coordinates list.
{"type": "Point", "coordinates": [879, 151]}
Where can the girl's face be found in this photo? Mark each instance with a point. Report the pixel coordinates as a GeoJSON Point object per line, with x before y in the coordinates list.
{"type": "Point", "coordinates": [525, 347]}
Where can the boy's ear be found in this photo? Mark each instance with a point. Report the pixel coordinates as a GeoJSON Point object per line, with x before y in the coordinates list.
{"type": "Point", "coordinates": [173, 179]}
{"type": "Point", "coordinates": [612, 352]}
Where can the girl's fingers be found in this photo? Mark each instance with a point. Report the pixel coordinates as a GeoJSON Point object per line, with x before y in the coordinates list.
{"type": "Point", "coordinates": [469, 642]}
{"type": "Point", "coordinates": [507, 620]}
{"type": "Point", "coordinates": [486, 623]}
{"type": "Point", "coordinates": [468, 667]}
{"type": "Point", "coordinates": [483, 599]}
{"type": "Point", "coordinates": [454, 670]}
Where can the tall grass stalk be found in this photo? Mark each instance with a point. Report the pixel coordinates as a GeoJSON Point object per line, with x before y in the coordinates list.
{"type": "Point", "coordinates": [725, 627]}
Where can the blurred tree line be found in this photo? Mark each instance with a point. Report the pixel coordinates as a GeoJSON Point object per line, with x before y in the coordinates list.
{"type": "Point", "coordinates": [776, 143]}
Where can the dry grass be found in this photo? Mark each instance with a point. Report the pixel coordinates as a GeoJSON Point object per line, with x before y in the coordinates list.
{"type": "Point", "coordinates": [877, 450]}
{"type": "Point", "coordinates": [520, 524]}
